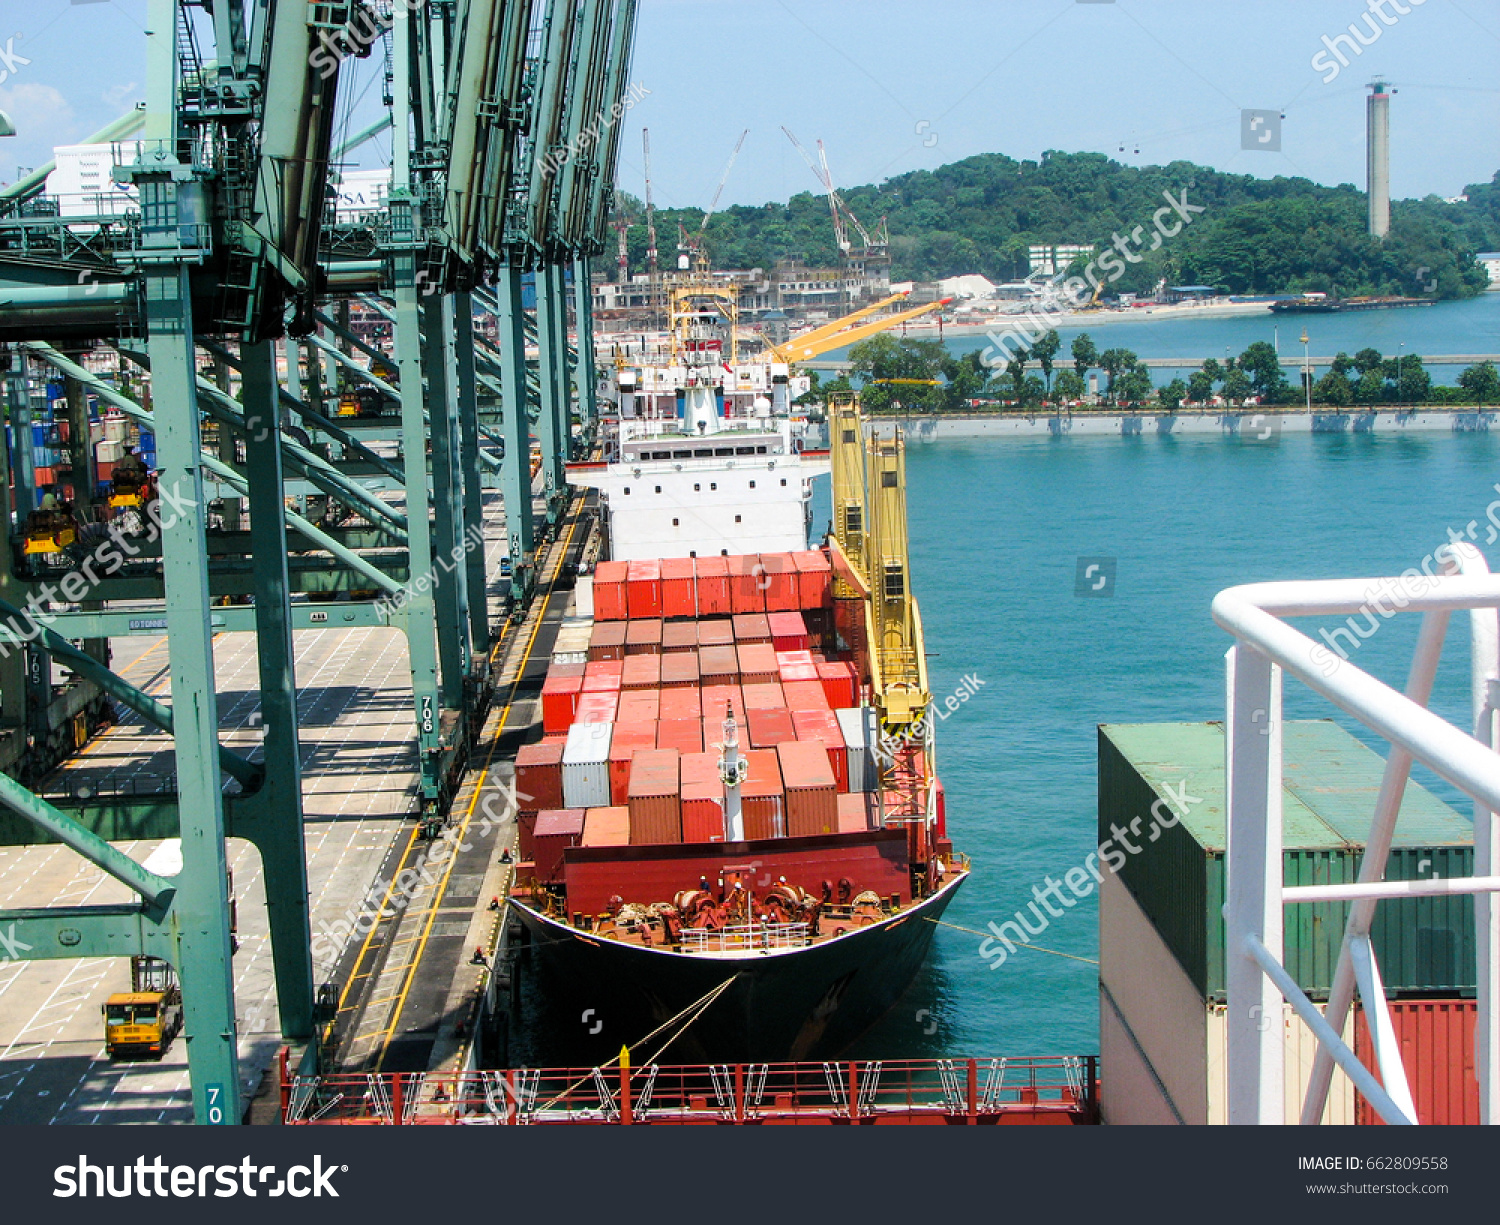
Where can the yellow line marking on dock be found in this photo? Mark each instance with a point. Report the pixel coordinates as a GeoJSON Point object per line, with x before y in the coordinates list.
{"type": "Point", "coordinates": [437, 895]}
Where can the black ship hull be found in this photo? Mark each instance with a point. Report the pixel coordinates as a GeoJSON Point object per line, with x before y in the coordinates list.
{"type": "Point", "coordinates": [808, 1003]}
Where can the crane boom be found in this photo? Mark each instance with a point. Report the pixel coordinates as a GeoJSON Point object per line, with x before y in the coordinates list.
{"type": "Point", "coordinates": [723, 178]}
{"type": "Point", "coordinates": [801, 349]}
{"type": "Point", "coordinates": [650, 208]}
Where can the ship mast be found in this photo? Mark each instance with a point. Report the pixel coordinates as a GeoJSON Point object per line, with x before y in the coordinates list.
{"type": "Point", "coordinates": [732, 770]}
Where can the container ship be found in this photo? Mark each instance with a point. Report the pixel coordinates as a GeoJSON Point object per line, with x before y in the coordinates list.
{"type": "Point", "coordinates": [732, 835]}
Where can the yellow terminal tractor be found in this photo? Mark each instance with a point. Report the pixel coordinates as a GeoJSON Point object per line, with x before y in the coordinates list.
{"type": "Point", "coordinates": [145, 1019]}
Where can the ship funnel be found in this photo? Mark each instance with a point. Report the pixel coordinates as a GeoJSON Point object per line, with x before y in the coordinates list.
{"type": "Point", "coordinates": [732, 770]}
{"type": "Point", "coordinates": [700, 410]}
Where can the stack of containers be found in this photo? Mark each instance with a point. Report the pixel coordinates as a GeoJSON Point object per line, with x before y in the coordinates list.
{"type": "Point", "coordinates": [856, 813]}
{"type": "Point", "coordinates": [718, 665]}
{"type": "Point", "coordinates": [585, 766]}
{"type": "Point", "coordinates": [655, 797]}
{"type": "Point", "coordinates": [602, 675]}
{"type": "Point", "coordinates": [556, 830]}
{"type": "Point", "coordinates": [751, 627]}
{"type": "Point", "coordinates": [639, 706]}
{"type": "Point", "coordinates": [572, 645]}
{"type": "Point", "coordinates": [788, 631]}
{"type": "Point", "coordinates": [855, 729]}
{"type": "Point", "coordinates": [1162, 957]}
{"type": "Point", "coordinates": [626, 741]}
{"type": "Point", "coordinates": [643, 637]}
{"type": "Point", "coordinates": [716, 632]}
{"type": "Point", "coordinates": [814, 579]}
{"type": "Point", "coordinates": [702, 798]}
{"type": "Point", "coordinates": [712, 583]}
{"type": "Point", "coordinates": [779, 580]}
{"type": "Point", "coordinates": [560, 695]}
{"type": "Point", "coordinates": [643, 589]}
{"type": "Point", "coordinates": [746, 589]}
{"type": "Point", "coordinates": [679, 596]}
{"type": "Point", "coordinates": [840, 683]}
{"type": "Point", "coordinates": [607, 640]}
{"type": "Point", "coordinates": [680, 670]}
{"type": "Point", "coordinates": [757, 663]}
{"type": "Point", "coordinates": [822, 727]}
{"type": "Point", "coordinates": [641, 672]}
{"type": "Point", "coordinates": [610, 602]}
{"type": "Point", "coordinates": [810, 788]}
{"type": "Point", "coordinates": [679, 637]}
{"type": "Point", "coordinates": [597, 707]}
{"type": "Point", "coordinates": [606, 827]}
{"type": "Point", "coordinates": [683, 735]}
{"type": "Point", "coordinates": [762, 803]}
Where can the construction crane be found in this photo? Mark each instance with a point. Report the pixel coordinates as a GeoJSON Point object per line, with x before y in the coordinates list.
{"type": "Point", "coordinates": [650, 208]}
{"type": "Point", "coordinates": [876, 242]}
{"type": "Point", "coordinates": [691, 245]}
{"type": "Point", "coordinates": [837, 334]}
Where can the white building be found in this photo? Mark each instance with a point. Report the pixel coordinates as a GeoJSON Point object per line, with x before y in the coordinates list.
{"type": "Point", "coordinates": [83, 183]}
{"type": "Point", "coordinates": [1490, 262]}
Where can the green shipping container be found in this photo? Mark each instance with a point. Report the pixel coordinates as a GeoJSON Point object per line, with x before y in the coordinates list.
{"type": "Point", "coordinates": [1425, 946]}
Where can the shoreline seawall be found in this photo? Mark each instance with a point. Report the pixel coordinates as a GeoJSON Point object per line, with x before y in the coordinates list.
{"type": "Point", "coordinates": [1251, 424]}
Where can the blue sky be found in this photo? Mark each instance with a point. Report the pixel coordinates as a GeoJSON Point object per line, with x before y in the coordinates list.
{"type": "Point", "coordinates": [896, 87]}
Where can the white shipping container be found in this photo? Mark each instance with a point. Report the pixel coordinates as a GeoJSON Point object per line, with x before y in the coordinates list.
{"type": "Point", "coordinates": [114, 429]}
{"type": "Point", "coordinates": [570, 657]}
{"type": "Point", "coordinates": [110, 452]}
{"type": "Point", "coordinates": [583, 596]}
{"type": "Point", "coordinates": [855, 727]}
{"type": "Point", "coordinates": [1165, 1046]}
{"type": "Point", "coordinates": [585, 765]}
{"type": "Point", "coordinates": [573, 635]}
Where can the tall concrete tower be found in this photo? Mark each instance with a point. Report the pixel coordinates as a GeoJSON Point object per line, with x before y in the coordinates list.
{"type": "Point", "coordinates": [1378, 157]}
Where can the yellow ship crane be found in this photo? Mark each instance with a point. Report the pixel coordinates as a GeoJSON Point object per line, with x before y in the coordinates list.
{"type": "Point", "coordinates": [837, 334]}
{"type": "Point", "coordinates": [872, 563]}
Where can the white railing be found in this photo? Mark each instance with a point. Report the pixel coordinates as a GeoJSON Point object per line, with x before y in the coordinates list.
{"type": "Point", "coordinates": [1265, 648]}
{"type": "Point", "coordinates": [746, 938]}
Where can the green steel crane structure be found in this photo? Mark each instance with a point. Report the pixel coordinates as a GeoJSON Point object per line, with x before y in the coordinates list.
{"type": "Point", "coordinates": [232, 278]}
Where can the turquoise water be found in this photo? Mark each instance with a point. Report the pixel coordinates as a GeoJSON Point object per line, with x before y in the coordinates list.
{"type": "Point", "coordinates": [996, 530]}
{"type": "Point", "coordinates": [1472, 326]}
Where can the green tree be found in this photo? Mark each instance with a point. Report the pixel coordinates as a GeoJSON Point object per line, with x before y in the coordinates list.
{"type": "Point", "coordinates": [1413, 383]}
{"type": "Point", "coordinates": [1172, 395]}
{"type": "Point", "coordinates": [1334, 388]}
{"type": "Point", "coordinates": [1045, 352]}
{"type": "Point", "coordinates": [1015, 371]}
{"type": "Point", "coordinates": [1134, 385]}
{"type": "Point", "coordinates": [1261, 363]}
{"type": "Point", "coordinates": [1367, 360]}
{"type": "Point", "coordinates": [1370, 389]}
{"type": "Point", "coordinates": [1482, 382]}
{"type": "Point", "coordinates": [1342, 363]}
{"type": "Point", "coordinates": [1085, 355]}
{"type": "Point", "coordinates": [1115, 362]}
{"type": "Point", "coordinates": [1069, 385]}
{"type": "Point", "coordinates": [1200, 386]}
{"type": "Point", "coordinates": [1237, 386]}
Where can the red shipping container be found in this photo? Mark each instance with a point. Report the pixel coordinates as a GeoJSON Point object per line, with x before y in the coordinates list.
{"type": "Point", "coordinates": [792, 673]}
{"type": "Point", "coordinates": [655, 798]}
{"type": "Point", "coordinates": [679, 636]}
{"type": "Point", "coordinates": [643, 589]}
{"type": "Point", "coordinates": [751, 627]}
{"type": "Point", "coordinates": [680, 703]}
{"type": "Point", "coordinates": [712, 575]}
{"type": "Point", "coordinates": [718, 666]}
{"type": "Point", "coordinates": [525, 824]}
{"type": "Point", "coordinates": [840, 683]}
{"type": "Point", "coordinates": [768, 728]}
{"type": "Point", "coordinates": [597, 707]}
{"type": "Point", "coordinates": [718, 632]}
{"type": "Point", "coordinates": [560, 696]}
{"type": "Point", "coordinates": [812, 806]}
{"type": "Point", "coordinates": [556, 830]}
{"type": "Point", "coordinates": [715, 697]}
{"type": "Point", "coordinates": [684, 735]}
{"type": "Point", "coordinates": [639, 706]}
{"type": "Point", "coordinates": [779, 580]}
{"type": "Point", "coordinates": [625, 741]}
{"type": "Point", "coordinates": [609, 591]}
{"type": "Point", "coordinates": [679, 670]}
{"type": "Point", "coordinates": [539, 774]}
{"type": "Point", "coordinates": [679, 597]}
{"type": "Point", "coordinates": [641, 672]}
{"type": "Point", "coordinates": [607, 640]}
{"type": "Point", "coordinates": [702, 799]}
{"type": "Point", "coordinates": [1436, 1041]}
{"type": "Point", "coordinates": [788, 632]}
{"type": "Point", "coordinates": [805, 695]}
{"type": "Point", "coordinates": [854, 813]}
{"type": "Point", "coordinates": [602, 675]}
{"type": "Point", "coordinates": [606, 827]}
{"type": "Point", "coordinates": [763, 696]}
{"type": "Point", "coordinates": [761, 801]}
{"type": "Point", "coordinates": [822, 727]}
{"type": "Point", "coordinates": [814, 578]}
{"type": "Point", "coordinates": [757, 663]}
{"type": "Point", "coordinates": [746, 584]}
{"type": "Point", "coordinates": [643, 637]}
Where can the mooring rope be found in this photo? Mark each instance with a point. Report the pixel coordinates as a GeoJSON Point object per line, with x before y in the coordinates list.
{"type": "Point", "coordinates": [990, 936]}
